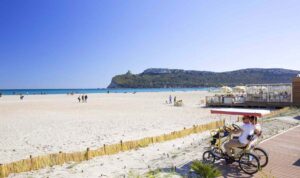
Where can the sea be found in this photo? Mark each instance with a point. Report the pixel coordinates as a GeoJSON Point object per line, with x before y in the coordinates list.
{"type": "Point", "coordinates": [94, 90]}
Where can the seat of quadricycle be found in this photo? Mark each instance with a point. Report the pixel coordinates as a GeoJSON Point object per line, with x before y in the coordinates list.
{"type": "Point", "coordinates": [243, 147]}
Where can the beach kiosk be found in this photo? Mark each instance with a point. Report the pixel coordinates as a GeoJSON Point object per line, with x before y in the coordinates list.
{"type": "Point", "coordinates": [296, 91]}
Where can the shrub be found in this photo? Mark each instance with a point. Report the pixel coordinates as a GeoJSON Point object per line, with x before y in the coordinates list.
{"type": "Point", "coordinates": [205, 170]}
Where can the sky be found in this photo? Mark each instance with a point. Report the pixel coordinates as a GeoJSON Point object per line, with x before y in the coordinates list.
{"type": "Point", "coordinates": [83, 44]}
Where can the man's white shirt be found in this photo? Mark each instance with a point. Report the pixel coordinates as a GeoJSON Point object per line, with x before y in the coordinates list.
{"type": "Point", "coordinates": [247, 129]}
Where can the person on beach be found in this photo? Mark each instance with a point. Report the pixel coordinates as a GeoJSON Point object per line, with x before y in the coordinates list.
{"type": "Point", "coordinates": [175, 99]}
{"type": "Point", "coordinates": [79, 99]}
{"type": "Point", "coordinates": [21, 97]}
{"type": "Point", "coordinates": [82, 98]}
{"type": "Point", "coordinates": [170, 99]}
{"type": "Point", "coordinates": [85, 98]}
{"type": "Point", "coordinates": [246, 130]}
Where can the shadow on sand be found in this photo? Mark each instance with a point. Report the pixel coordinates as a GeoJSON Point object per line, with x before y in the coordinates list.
{"type": "Point", "coordinates": [227, 171]}
{"type": "Point", "coordinates": [297, 118]}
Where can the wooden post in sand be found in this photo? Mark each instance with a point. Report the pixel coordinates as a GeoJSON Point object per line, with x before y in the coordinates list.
{"type": "Point", "coordinates": [194, 129]}
{"type": "Point", "coordinates": [31, 162]}
{"type": "Point", "coordinates": [121, 143]}
{"type": "Point", "coordinates": [87, 153]}
{"type": "Point", "coordinates": [104, 148]}
{"type": "Point", "coordinates": [60, 158]}
{"type": "Point", "coordinates": [2, 172]}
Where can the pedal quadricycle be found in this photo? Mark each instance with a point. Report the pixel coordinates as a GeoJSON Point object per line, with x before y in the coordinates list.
{"type": "Point", "coordinates": [250, 157]}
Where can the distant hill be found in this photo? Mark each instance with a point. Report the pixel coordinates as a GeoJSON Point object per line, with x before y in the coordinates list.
{"type": "Point", "coordinates": [176, 78]}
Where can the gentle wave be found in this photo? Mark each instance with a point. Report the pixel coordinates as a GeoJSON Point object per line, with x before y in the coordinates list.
{"type": "Point", "coordinates": [95, 90]}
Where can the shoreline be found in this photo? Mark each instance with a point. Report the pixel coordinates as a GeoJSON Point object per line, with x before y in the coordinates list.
{"type": "Point", "coordinates": [6, 92]}
{"type": "Point", "coordinates": [111, 93]}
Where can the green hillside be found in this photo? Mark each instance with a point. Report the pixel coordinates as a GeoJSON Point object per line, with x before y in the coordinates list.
{"type": "Point", "coordinates": [175, 78]}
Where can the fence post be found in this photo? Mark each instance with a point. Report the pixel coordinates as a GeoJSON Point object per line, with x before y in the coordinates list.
{"type": "Point", "coordinates": [2, 171]}
{"type": "Point", "coordinates": [87, 153]}
{"type": "Point", "coordinates": [60, 158]}
{"type": "Point", "coordinates": [121, 143]}
{"type": "Point", "coordinates": [104, 147]}
{"type": "Point", "coordinates": [31, 162]}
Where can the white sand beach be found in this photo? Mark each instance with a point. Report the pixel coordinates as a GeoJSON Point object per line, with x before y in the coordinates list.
{"type": "Point", "coordinates": [42, 124]}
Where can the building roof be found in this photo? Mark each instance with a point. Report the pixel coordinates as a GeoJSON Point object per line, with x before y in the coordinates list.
{"type": "Point", "coordinates": [241, 112]}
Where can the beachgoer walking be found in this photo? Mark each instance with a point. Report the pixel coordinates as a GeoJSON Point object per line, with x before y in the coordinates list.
{"type": "Point", "coordinates": [170, 99]}
{"type": "Point", "coordinates": [82, 98]}
{"type": "Point", "coordinates": [79, 99]}
{"type": "Point", "coordinates": [85, 98]}
{"type": "Point", "coordinates": [174, 99]}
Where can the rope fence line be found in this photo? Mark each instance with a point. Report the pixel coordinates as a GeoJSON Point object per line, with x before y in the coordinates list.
{"type": "Point", "coordinates": [39, 162]}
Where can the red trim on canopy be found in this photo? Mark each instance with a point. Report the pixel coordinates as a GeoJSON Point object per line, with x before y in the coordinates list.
{"type": "Point", "coordinates": [236, 113]}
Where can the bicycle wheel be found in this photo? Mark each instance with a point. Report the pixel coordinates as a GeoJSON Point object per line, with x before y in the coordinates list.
{"type": "Point", "coordinates": [217, 152]}
{"type": "Point", "coordinates": [249, 163]}
{"type": "Point", "coordinates": [208, 157]}
{"type": "Point", "coordinates": [262, 155]}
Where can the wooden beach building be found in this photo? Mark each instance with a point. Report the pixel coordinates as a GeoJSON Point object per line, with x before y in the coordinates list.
{"type": "Point", "coordinates": [296, 91]}
{"type": "Point", "coordinates": [260, 95]}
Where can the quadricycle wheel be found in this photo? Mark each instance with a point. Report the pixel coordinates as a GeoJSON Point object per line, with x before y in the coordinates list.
{"type": "Point", "coordinates": [249, 163]}
{"type": "Point", "coordinates": [217, 152]}
{"type": "Point", "coordinates": [262, 155]}
{"type": "Point", "coordinates": [208, 157]}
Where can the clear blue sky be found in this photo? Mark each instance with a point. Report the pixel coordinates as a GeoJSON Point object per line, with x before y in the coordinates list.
{"type": "Point", "coordinates": [83, 44]}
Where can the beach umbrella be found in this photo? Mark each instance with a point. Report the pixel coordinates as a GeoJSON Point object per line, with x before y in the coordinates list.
{"type": "Point", "coordinates": [264, 89]}
{"type": "Point", "coordinates": [226, 89]}
{"type": "Point", "coordinates": [239, 89]}
{"type": "Point", "coordinates": [253, 90]}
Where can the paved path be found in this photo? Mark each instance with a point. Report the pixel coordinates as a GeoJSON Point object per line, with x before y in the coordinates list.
{"type": "Point", "coordinates": [284, 157]}
{"type": "Point", "coordinates": [284, 154]}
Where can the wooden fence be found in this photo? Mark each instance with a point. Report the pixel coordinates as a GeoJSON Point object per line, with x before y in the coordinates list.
{"type": "Point", "coordinates": [39, 162]}
{"type": "Point", "coordinates": [277, 112]}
